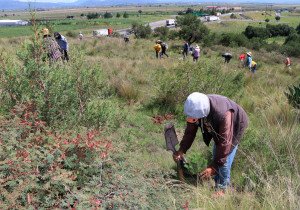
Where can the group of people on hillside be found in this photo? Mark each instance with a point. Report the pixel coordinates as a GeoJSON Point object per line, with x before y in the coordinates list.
{"type": "Point", "coordinates": [247, 61]}
{"type": "Point", "coordinates": [161, 47]}
{"type": "Point", "coordinates": [57, 48]}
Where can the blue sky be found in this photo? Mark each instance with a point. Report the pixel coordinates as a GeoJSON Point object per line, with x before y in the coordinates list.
{"type": "Point", "coordinates": [53, 1]}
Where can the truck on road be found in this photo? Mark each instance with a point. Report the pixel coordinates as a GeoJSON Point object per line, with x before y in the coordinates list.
{"type": "Point", "coordinates": [102, 32]}
{"type": "Point", "coordinates": [212, 18]}
{"type": "Point", "coordinates": [170, 22]}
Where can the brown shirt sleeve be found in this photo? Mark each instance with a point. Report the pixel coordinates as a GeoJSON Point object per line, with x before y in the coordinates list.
{"type": "Point", "coordinates": [224, 141]}
{"type": "Point", "coordinates": [188, 137]}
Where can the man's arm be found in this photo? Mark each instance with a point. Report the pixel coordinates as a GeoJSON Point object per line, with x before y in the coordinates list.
{"type": "Point", "coordinates": [224, 141]}
{"type": "Point", "coordinates": [189, 137]}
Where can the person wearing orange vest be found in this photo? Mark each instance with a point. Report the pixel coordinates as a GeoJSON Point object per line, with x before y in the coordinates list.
{"type": "Point", "coordinates": [288, 62]}
{"type": "Point", "coordinates": [157, 48]}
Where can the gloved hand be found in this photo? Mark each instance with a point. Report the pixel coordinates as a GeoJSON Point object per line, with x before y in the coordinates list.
{"type": "Point", "coordinates": [177, 156]}
{"type": "Point", "coordinates": [207, 173]}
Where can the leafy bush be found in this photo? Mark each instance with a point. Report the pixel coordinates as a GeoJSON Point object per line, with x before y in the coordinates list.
{"type": "Point", "coordinates": [298, 29]}
{"type": "Point", "coordinates": [93, 15]}
{"type": "Point", "coordinates": [232, 39]}
{"type": "Point", "coordinates": [141, 31]}
{"type": "Point", "coordinates": [71, 34]}
{"type": "Point", "coordinates": [279, 30]}
{"type": "Point", "coordinates": [108, 15]}
{"type": "Point", "coordinates": [40, 168]}
{"type": "Point", "coordinates": [293, 96]}
{"type": "Point", "coordinates": [233, 16]}
{"type": "Point", "coordinates": [176, 84]}
{"type": "Point", "coordinates": [291, 46]}
{"type": "Point", "coordinates": [125, 15]}
{"type": "Point", "coordinates": [191, 28]}
{"type": "Point", "coordinates": [196, 163]}
{"type": "Point", "coordinates": [260, 32]}
{"type": "Point", "coordinates": [256, 43]}
{"type": "Point", "coordinates": [161, 32]}
{"type": "Point", "coordinates": [59, 92]}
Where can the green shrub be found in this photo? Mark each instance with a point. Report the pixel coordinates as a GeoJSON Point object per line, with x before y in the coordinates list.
{"type": "Point", "coordinates": [293, 96]}
{"type": "Point", "coordinates": [71, 34]}
{"type": "Point", "coordinates": [176, 84]}
{"type": "Point", "coordinates": [161, 32]}
{"type": "Point", "coordinates": [59, 92]}
{"type": "Point", "coordinates": [103, 112]}
{"type": "Point", "coordinates": [279, 30]}
{"type": "Point", "coordinates": [260, 32]}
{"type": "Point", "coordinates": [108, 15]}
{"type": "Point", "coordinates": [93, 15]}
{"type": "Point", "coordinates": [196, 163]}
{"type": "Point", "coordinates": [141, 31]}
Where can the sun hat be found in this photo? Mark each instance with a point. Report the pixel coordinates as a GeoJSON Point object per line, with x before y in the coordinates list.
{"type": "Point", "coordinates": [197, 105]}
{"type": "Point", "coordinates": [249, 53]}
{"type": "Point", "coordinates": [45, 31]}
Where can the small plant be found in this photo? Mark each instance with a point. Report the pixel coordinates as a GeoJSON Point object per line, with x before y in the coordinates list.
{"type": "Point", "coordinates": [293, 96]}
{"type": "Point", "coordinates": [125, 15]}
{"type": "Point", "coordinates": [233, 16]}
{"type": "Point", "coordinates": [108, 15]}
{"type": "Point", "coordinates": [196, 163]}
{"type": "Point", "coordinates": [71, 34]}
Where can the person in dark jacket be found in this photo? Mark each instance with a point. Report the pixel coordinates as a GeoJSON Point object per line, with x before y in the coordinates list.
{"type": "Point", "coordinates": [221, 120]}
{"type": "Point", "coordinates": [164, 48]}
{"type": "Point", "coordinates": [185, 49]}
{"type": "Point", "coordinates": [63, 44]}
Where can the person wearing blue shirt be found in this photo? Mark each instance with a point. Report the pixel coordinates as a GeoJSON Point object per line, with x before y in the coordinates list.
{"type": "Point", "coordinates": [63, 43]}
{"type": "Point", "coordinates": [249, 60]}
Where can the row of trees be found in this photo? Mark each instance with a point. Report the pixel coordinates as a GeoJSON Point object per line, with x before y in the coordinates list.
{"type": "Point", "coordinates": [105, 15]}
{"type": "Point", "coordinates": [268, 31]}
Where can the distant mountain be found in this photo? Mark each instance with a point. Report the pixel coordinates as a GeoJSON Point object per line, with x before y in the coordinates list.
{"type": "Point", "coordinates": [16, 5]}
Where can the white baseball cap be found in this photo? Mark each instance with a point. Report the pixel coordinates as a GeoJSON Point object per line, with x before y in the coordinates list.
{"type": "Point", "coordinates": [197, 105]}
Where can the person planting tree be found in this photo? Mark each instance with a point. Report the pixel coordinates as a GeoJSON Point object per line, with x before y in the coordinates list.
{"type": "Point", "coordinates": [220, 119]}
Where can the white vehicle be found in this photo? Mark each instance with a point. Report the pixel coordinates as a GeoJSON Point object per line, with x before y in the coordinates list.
{"type": "Point", "coordinates": [212, 18]}
{"type": "Point", "coordinates": [170, 22]}
{"type": "Point", "coordinates": [102, 32]}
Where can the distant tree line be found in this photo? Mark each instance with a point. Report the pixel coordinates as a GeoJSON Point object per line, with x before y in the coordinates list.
{"type": "Point", "coordinates": [95, 15]}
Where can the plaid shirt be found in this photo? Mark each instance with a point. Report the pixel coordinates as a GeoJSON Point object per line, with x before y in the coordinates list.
{"type": "Point", "coordinates": [52, 48]}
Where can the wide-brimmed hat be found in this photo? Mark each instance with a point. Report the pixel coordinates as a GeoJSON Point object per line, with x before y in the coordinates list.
{"type": "Point", "coordinates": [249, 53]}
{"type": "Point", "coordinates": [45, 31]}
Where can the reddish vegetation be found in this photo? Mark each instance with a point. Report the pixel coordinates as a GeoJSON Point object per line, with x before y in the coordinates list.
{"type": "Point", "coordinates": [159, 119]}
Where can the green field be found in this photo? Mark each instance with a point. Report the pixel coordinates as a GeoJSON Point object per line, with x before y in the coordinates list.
{"type": "Point", "coordinates": [86, 26]}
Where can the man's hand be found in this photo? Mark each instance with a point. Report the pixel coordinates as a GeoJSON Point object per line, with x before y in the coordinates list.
{"type": "Point", "coordinates": [207, 173]}
{"type": "Point", "coordinates": [177, 156]}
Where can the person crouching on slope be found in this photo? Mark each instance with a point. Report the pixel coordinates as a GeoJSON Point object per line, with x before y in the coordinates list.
{"type": "Point", "coordinates": [221, 120]}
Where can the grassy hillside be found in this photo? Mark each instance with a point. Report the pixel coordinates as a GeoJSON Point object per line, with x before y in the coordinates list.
{"type": "Point", "coordinates": [101, 146]}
